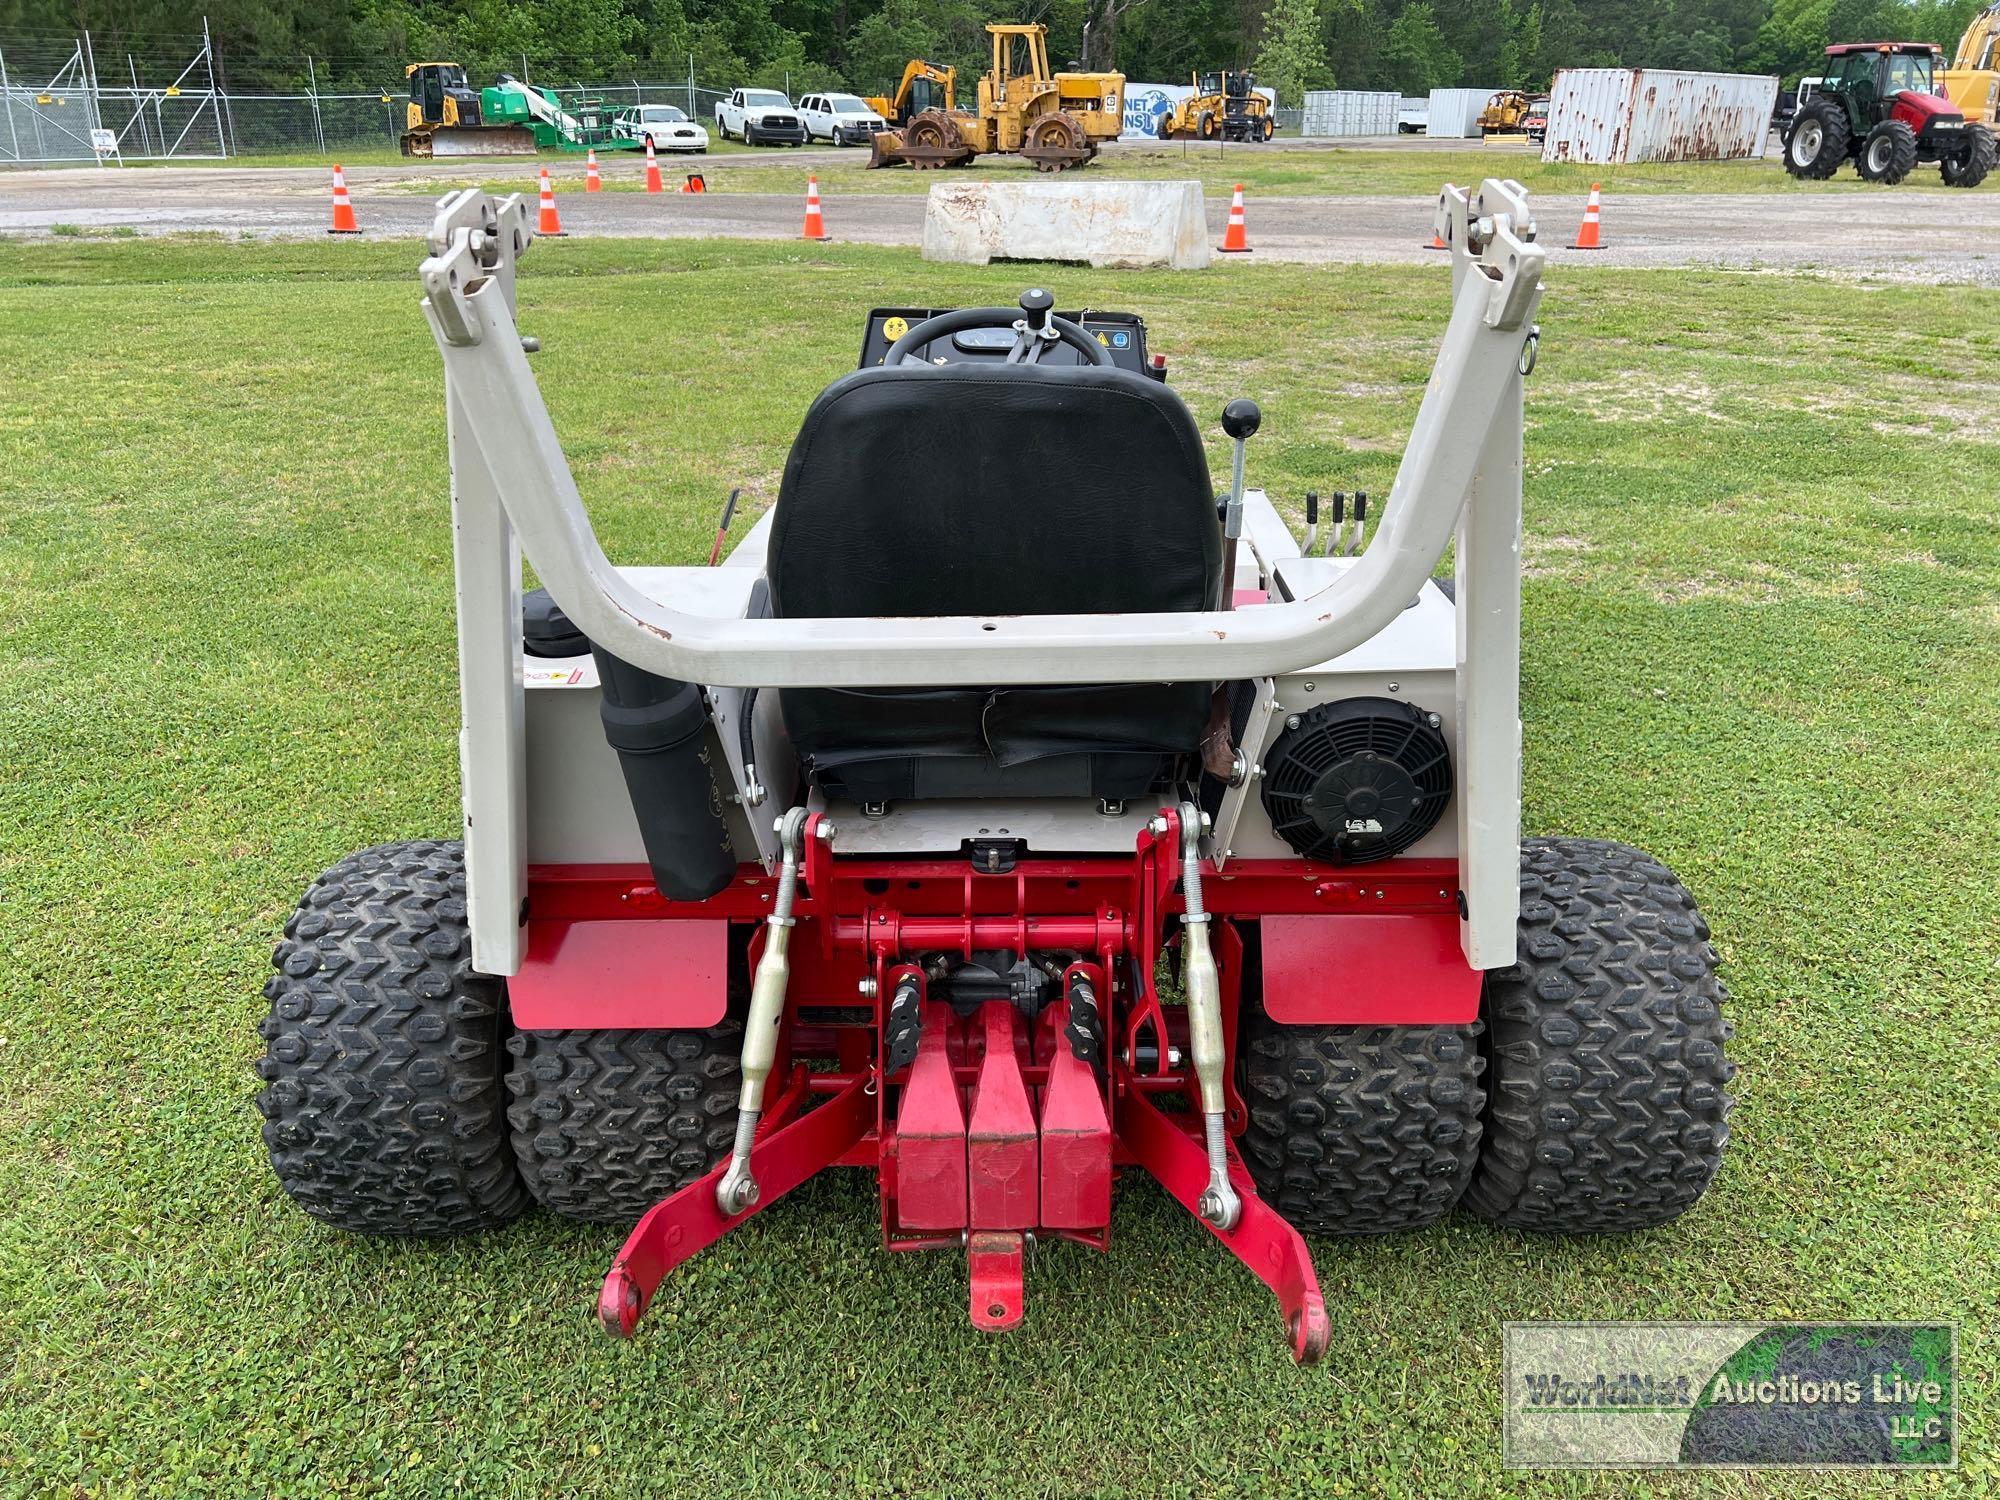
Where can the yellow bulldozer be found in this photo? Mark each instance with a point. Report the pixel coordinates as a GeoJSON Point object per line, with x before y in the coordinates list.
{"type": "Point", "coordinates": [447, 116]}
{"type": "Point", "coordinates": [1225, 105]}
{"type": "Point", "coordinates": [1973, 79]}
{"type": "Point", "coordinates": [1055, 120]}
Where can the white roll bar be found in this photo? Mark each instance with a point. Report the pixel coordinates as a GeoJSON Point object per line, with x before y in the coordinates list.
{"type": "Point", "coordinates": [497, 409]}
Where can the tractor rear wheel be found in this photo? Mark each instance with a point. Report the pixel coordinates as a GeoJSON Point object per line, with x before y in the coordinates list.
{"type": "Point", "coordinates": [1357, 1129]}
{"type": "Point", "coordinates": [382, 1102]}
{"type": "Point", "coordinates": [607, 1123]}
{"type": "Point", "coordinates": [1969, 168]}
{"type": "Point", "coordinates": [1608, 1083]}
{"type": "Point", "coordinates": [1889, 154]}
{"type": "Point", "coordinates": [1818, 141]}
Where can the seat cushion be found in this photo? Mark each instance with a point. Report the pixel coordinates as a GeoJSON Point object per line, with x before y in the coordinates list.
{"type": "Point", "coordinates": [995, 490]}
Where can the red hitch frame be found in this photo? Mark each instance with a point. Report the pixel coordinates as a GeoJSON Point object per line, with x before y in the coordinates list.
{"type": "Point", "coordinates": [999, 1131]}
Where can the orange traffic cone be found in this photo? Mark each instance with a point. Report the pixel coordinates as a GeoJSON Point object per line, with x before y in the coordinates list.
{"type": "Point", "coordinates": [1589, 237]}
{"type": "Point", "coordinates": [1236, 239]}
{"type": "Point", "coordinates": [653, 183]}
{"type": "Point", "coordinates": [592, 183]}
{"type": "Point", "coordinates": [1437, 240]}
{"type": "Point", "coordinates": [815, 225]}
{"type": "Point", "coordinates": [696, 183]}
{"type": "Point", "coordinates": [548, 223]}
{"type": "Point", "coordinates": [343, 208]}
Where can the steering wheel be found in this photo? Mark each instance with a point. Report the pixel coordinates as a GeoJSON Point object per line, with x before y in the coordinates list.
{"type": "Point", "coordinates": [1036, 329]}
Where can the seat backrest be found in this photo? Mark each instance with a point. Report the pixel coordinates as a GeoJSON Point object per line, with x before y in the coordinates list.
{"type": "Point", "coordinates": [971, 489]}
{"type": "Point", "coordinates": [1004, 489]}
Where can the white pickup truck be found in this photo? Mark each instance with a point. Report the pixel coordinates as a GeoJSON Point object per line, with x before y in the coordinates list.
{"type": "Point", "coordinates": [759, 117]}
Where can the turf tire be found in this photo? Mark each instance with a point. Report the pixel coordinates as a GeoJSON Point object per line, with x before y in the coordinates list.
{"type": "Point", "coordinates": [1358, 1129]}
{"type": "Point", "coordinates": [607, 1123]}
{"type": "Point", "coordinates": [1889, 154]}
{"type": "Point", "coordinates": [382, 1101]}
{"type": "Point", "coordinates": [1608, 1107]}
{"type": "Point", "coordinates": [1820, 127]}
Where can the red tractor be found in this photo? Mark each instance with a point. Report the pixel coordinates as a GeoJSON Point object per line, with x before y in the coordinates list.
{"type": "Point", "coordinates": [999, 837]}
{"type": "Point", "coordinates": [1881, 104]}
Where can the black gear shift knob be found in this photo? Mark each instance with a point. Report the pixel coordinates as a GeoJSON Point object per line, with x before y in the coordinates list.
{"type": "Point", "coordinates": [1241, 418]}
{"type": "Point", "coordinates": [1036, 301]}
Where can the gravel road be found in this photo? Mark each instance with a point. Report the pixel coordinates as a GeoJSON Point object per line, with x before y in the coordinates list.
{"type": "Point", "coordinates": [1906, 234]}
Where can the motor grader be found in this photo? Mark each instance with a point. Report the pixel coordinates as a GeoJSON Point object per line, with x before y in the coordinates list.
{"type": "Point", "coordinates": [1055, 120]}
{"type": "Point", "coordinates": [1225, 106]}
{"type": "Point", "coordinates": [995, 837]}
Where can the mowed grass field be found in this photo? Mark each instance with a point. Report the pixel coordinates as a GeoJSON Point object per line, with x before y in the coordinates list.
{"type": "Point", "coordinates": [1763, 640]}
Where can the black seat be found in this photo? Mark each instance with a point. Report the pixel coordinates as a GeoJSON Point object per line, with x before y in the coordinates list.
{"type": "Point", "coordinates": [970, 489]}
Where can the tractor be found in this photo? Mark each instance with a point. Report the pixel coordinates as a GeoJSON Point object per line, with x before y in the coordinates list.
{"type": "Point", "coordinates": [1880, 104]}
{"type": "Point", "coordinates": [1055, 120]}
{"type": "Point", "coordinates": [1224, 106]}
{"type": "Point", "coordinates": [997, 838]}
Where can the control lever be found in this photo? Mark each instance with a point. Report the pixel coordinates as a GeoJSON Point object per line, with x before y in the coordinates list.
{"type": "Point", "coordinates": [1360, 521]}
{"type": "Point", "coordinates": [1312, 522]}
{"type": "Point", "coordinates": [1240, 420]}
{"type": "Point", "coordinates": [1035, 330]}
{"type": "Point", "coordinates": [1339, 523]}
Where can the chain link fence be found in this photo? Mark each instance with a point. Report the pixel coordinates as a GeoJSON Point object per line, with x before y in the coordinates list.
{"type": "Point", "coordinates": [59, 104]}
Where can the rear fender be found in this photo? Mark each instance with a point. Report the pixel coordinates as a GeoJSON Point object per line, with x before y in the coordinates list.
{"type": "Point", "coordinates": [1368, 969]}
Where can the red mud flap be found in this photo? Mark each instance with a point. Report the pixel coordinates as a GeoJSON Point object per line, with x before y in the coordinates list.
{"type": "Point", "coordinates": [679, 1227]}
{"type": "Point", "coordinates": [1262, 1239]}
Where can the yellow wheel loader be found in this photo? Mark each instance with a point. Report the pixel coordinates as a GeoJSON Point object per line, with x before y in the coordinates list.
{"type": "Point", "coordinates": [1055, 120]}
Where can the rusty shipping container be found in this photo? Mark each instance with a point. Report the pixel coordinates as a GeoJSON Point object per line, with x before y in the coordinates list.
{"type": "Point", "coordinates": [1655, 114]}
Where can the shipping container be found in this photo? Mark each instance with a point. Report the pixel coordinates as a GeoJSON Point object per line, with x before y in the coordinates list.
{"type": "Point", "coordinates": [1455, 112]}
{"type": "Point", "coordinates": [1338, 112]}
{"type": "Point", "coordinates": [1653, 114]}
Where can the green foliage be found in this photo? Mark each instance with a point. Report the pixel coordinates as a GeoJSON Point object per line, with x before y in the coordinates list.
{"type": "Point", "coordinates": [1293, 57]}
{"type": "Point", "coordinates": [1417, 53]}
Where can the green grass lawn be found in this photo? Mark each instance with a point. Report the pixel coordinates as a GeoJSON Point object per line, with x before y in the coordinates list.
{"type": "Point", "coordinates": [1763, 639]}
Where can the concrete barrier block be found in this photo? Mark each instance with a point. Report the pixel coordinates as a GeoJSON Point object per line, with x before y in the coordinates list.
{"type": "Point", "coordinates": [1101, 223]}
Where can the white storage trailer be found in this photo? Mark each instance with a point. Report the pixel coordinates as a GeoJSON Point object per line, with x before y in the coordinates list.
{"type": "Point", "coordinates": [1455, 112]}
{"type": "Point", "coordinates": [1656, 114]}
{"type": "Point", "coordinates": [1343, 112]}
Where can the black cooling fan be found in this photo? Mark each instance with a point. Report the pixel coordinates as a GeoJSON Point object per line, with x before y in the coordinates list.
{"type": "Point", "coordinates": [1357, 780]}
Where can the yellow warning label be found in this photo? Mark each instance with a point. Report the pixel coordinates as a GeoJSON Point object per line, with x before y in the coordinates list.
{"type": "Point", "coordinates": [895, 328]}
{"type": "Point", "coordinates": [1104, 341]}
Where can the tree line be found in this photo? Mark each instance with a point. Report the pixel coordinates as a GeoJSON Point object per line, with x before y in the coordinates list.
{"type": "Point", "coordinates": [1407, 45]}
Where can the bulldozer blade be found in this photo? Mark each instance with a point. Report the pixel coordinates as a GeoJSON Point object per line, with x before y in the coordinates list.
{"type": "Point", "coordinates": [886, 149]}
{"type": "Point", "coordinates": [481, 140]}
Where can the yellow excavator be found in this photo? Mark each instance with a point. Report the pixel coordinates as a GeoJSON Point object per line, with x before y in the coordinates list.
{"type": "Point", "coordinates": [1973, 79]}
{"type": "Point", "coordinates": [1055, 120]}
{"type": "Point", "coordinates": [925, 85]}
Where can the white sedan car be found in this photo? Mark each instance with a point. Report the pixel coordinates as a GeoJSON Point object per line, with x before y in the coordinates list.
{"type": "Point", "coordinates": [844, 119]}
{"type": "Point", "coordinates": [668, 128]}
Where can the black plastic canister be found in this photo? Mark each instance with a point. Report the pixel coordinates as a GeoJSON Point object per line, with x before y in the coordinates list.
{"type": "Point", "coordinates": [659, 727]}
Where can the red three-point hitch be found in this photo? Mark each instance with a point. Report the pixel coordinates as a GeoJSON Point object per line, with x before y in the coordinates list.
{"type": "Point", "coordinates": [988, 1126]}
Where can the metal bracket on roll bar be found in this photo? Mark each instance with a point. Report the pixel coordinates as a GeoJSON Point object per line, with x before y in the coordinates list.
{"type": "Point", "coordinates": [473, 239]}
